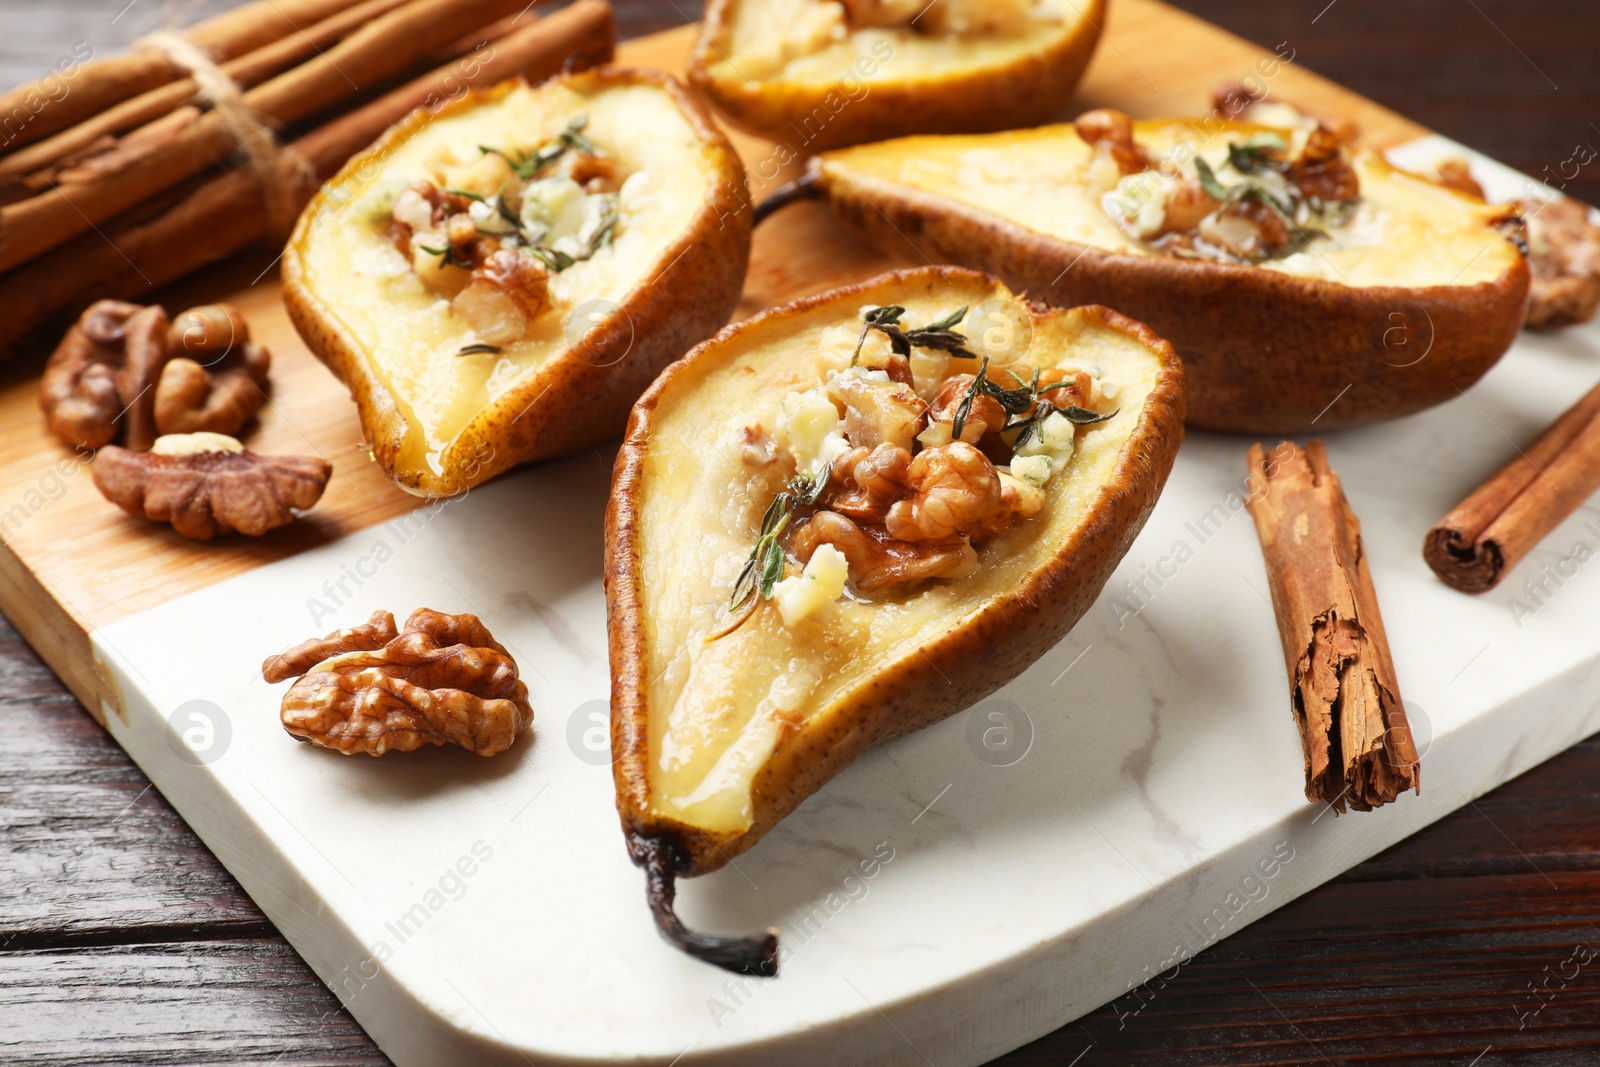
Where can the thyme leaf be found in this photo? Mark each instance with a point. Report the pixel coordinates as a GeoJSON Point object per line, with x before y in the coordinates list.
{"type": "Point", "coordinates": [1083, 416]}
{"type": "Point", "coordinates": [1261, 152]}
{"type": "Point", "coordinates": [479, 348]}
{"type": "Point", "coordinates": [878, 318]}
{"type": "Point", "coordinates": [447, 256]}
{"type": "Point", "coordinates": [964, 409]}
{"type": "Point", "coordinates": [556, 260]}
{"type": "Point", "coordinates": [771, 567]}
{"type": "Point", "coordinates": [1208, 179]}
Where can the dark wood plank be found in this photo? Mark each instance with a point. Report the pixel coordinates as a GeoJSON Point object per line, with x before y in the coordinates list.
{"type": "Point", "coordinates": [1515, 80]}
{"type": "Point", "coordinates": [92, 850]}
{"type": "Point", "coordinates": [217, 1002]}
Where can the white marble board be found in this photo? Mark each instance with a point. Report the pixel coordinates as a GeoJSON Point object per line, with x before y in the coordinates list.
{"type": "Point", "coordinates": [941, 901]}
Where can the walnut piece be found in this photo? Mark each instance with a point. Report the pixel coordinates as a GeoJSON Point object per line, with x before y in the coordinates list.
{"type": "Point", "coordinates": [503, 296]}
{"type": "Point", "coordinates": [1245, 104]}
{"type": "Point", "coordinates": [1110, 133]}
{"type": "Point", "coordinates": [866, 483]}
{"type": "Point", "coordinates": [442, 680]}
{"type": "Point", "coordinates": [1456, 173]}
{"type": "Point", "coordinates": [213, 380]}
{"type": "Point", "coordinates": [104, 372]}
{"type": "Point", "coordinates": [878, 412]}
{"type": "Point", "coordinates": [954, 491]}
{"type": "Point", "coordinates": [207, 484]}
{"type": "Point", "coordinates": [123, 368]}
{"type": "Point", "coordinates": [374, 633]}
{"type": "Point", "coordinates": [878, 560]}
{"type": "Point", "coordinates": [1564, 255]}
{"type": "Point", "coordinates": [985, 416]}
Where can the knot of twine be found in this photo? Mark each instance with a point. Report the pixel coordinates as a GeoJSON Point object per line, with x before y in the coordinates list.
{"type": "Point", "coordinates": [280, 171]}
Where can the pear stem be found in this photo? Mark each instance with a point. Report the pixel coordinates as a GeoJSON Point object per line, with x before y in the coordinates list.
{"type": "Point", "coordinates": [756, 955]}
{"type": "Point", "coordinates": [806, 187]}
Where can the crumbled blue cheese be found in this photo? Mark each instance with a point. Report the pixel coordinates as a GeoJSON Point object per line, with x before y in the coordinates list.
{"type": "Point", "coordinates": [376, 203]}
{"type": "Point", "coordinates": [1035, 470]}
{"type": "Point", "coordinates": [1054, 435]}
{"type": "Point", "coordinates": [812, 429]}
{"type": "Point", "coordinates": [598, 210]}
{"type": "Point", "coordinates": [552, 208]}
{"type": "Point", "coordinates": [1139, 202]}
{"type": "Point", "coordinates": [813, 590]}
{"type": "Point", "coordinates": [488, 217]}
{"type": "Point", "coordinates": [1047, 449]}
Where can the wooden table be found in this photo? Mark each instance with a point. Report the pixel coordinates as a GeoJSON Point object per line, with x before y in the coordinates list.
{"type": "Point", "coordinates": [123, 941]}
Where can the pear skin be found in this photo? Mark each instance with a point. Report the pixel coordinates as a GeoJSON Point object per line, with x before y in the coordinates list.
{"type": "Point", "coordinates": [717, 738]}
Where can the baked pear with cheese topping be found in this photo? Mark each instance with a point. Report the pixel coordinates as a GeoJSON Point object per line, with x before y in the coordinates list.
{"type": "Point", "coordinates": [845, 519]}
{"type": "Point", "coordinates": [1306, 286]}
{"type": "Point", "coordinates": [816, 74]}
{"type": "Point", "coordinates": [499, 281]}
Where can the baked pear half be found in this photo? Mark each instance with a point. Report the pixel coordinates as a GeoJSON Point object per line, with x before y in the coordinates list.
{"type": "Point", "coordinates": [848, 518]}
{"type": "Point", "coordinates": [499, 281]}
{"type": "Point", "coordinates": [1305, 286]}
{"type": "Point", "coordinates": [816, 74]}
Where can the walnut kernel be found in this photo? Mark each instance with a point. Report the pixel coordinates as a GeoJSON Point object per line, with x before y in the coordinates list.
{"type": "Point", "coordinates": [443, 679]}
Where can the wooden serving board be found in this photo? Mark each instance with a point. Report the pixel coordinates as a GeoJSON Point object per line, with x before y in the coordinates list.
{"type": "Point", "coordinates": [946, 900]}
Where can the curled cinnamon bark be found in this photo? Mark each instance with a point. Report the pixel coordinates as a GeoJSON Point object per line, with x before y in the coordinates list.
{"type": "Point", "coordinates": [1353, 730]}
{"type": "Point", "coordinates": [1490, 532]}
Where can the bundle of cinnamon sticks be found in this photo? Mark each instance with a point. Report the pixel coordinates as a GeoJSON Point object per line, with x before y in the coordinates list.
{"type": "Point", "coordinates": [145, 169]}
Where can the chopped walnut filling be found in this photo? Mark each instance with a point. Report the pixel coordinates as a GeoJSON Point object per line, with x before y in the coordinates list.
{"type": "Point", "coordinates": [877, 560]}
{"type": "Point", "coordinates": [903, 489]}
{"type": "Point", "coordinates": [1563, 247]}
{"type": "Point", "coordinates": [1564, 255]}
{"type": "Point", "coordinates": [1267, 198]}
{"type": "Point", "coordinates": [488, 234]}
{"type": "Point", "coordinates": [1110, 134]}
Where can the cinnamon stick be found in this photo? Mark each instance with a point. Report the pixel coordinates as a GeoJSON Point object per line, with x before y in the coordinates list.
{"type": "Point", "coordinates": [384, 47]}
{"type": "Point", "coordinates": [1490, 532]}
{"type": "Point", "coordinates": [226, 213]}
{"type": "Point", "coordinates": [1353, 730]}
{"type": "Point", "coordinates": [246, 70]}
{"type": "Point", "coordinates": [34, 111]}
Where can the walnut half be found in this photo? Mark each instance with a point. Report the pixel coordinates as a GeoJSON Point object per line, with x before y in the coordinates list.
{"type": "Point", "coordinates": [442, 680]}
{"type": "Point", "coordinates": [123, 369]}
{"type": "Point", "coordinates": [215, 377]}
{"type": "Point", "coordinates": [102, 376]}
{"type": "Point", "coordinates": [206, 484]}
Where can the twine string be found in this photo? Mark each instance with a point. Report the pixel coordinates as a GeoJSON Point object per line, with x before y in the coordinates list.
{"type": "Point", "coordinates": [280, 171]}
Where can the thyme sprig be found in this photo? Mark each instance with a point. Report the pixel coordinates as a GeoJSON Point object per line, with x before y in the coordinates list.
{"type": "Point", "coordinates": [941, 335]}
{"type": "Point", "coordinates": [1026, 406]}
{"type": "Point", "coordinates": [1307, 217]}
{"type": "Point", "coordinates": [1262, 152]}
{"type": "Point", "coordinates": [531, 163]}
{"type": "Point", "coordinates": [764, 566]}
{"type": "Point", "coordinates": [1018, 402]}
{"type": "Point", "coordinates": [1033, 423]}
